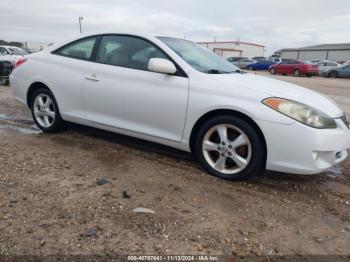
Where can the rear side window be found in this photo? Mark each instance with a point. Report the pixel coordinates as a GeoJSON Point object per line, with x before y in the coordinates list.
{"type": "Point", "coordinates": [331, 64]}
{"type": "Point", "coordinates": [81, 49]}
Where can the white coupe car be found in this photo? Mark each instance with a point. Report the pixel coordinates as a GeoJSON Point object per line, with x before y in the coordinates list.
{"type": "Point", "coordinates": [174, 92]}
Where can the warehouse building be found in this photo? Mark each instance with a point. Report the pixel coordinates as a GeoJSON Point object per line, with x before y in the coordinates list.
{"type": "Point", "coordinates": [332, 52]}
{"type": "Point", "coordinates": [235, 48]}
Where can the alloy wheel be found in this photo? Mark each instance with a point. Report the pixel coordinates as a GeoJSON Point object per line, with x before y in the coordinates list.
{"type": "Point", "coordinates": [44, 110]}
{"type": "Point", "coordinates": [227, 149]}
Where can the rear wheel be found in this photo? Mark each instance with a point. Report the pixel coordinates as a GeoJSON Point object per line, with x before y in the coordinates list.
{"type": "Point", "coordinates": [229, 147]}
{"type": "Point", "coordinates": [45, 111]}
{"type": "Point", "coordinates": [296, 72]}
{"type": "Point", "coordinates": [333, 74]}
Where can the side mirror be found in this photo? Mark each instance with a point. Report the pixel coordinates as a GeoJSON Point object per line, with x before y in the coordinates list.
{"type": "Point", "coordinates": [161, 65]}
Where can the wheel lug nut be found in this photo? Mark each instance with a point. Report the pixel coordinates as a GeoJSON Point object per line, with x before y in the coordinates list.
{"type": "Point", "coordinates": [229, 153]}
{"type": "Point", "coordinates": [230, 146]}
{"type": "Point", "coordinates": [223, 143]}
{"type": "Point", "coordinates": [219, 148]}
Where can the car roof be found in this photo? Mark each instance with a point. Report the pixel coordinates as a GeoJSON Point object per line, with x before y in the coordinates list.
{"type": "Point", "coordinates": [97, 33]}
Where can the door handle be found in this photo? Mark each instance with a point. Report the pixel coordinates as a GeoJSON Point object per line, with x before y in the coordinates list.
{"type": "Point", "coordinates": [92, 77]}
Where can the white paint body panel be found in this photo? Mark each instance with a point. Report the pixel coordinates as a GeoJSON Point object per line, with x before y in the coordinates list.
{"type": "Point", "coordinates": [164, 108]}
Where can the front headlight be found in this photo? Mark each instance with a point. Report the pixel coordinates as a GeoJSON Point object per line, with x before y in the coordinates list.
{"type": "Point", "coordinates": [301, 112]}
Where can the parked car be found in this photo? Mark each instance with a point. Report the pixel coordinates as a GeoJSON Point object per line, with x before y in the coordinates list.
{"type": "Point", "coordinates": [326, 66]}
{"type": "Point", "coordinates": [12, 50]}
{"type": "Point", "coordinates": [174, 92]}
{"type": "Point", "coordinates": [243, 63]}
{"type": "Point", "coordinates": [11, 54]}
{"type": "Point", "coordinates": [260, 65]}
{"type": "Point", "coordinates": [341, 71]}
{"type": "Point", "coordinates": [259, 58]}
{"type": "Point", "coordinates": [235, 59]}
{"type": "Point", "coordinates": [294, 67]}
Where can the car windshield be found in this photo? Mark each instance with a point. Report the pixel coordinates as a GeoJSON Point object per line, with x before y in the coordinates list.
{"type": "Point", "coordinates": [199, 57]}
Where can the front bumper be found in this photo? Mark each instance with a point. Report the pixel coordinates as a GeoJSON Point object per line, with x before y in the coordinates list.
{"type": "Point", "coordinates": [299, 149]}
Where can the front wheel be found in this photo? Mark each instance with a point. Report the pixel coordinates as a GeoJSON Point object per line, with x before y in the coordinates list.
{"type": "Point", "coordinates": [250, 68]}
{"type": "Point", "coordinates": [45, 111]}
{"type": "Point", "coordinates": [333, 74]}
{"type": "Point", "coordinates": [297, 73]}
{"type": "Point", "coordinates": [272, 71]}
{"type": "Point", "coordinates": [230, 148]}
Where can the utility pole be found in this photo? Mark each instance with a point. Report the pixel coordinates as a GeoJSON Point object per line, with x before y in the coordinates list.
{"type": "Point", "coordinates": [80, 19]}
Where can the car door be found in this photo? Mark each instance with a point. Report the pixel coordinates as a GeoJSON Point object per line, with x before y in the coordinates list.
{"type": "Point", "coordinates": [282, 67]}
{"type": "Point", "coordinates": [120, 92]}
{"type": "Point", "coordinates": [292, 66]}
{"type": "Point", "coordinates": [65, 75]}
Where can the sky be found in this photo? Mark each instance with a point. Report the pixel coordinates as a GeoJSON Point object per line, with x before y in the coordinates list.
{"type": "Point", "coordinates": [273, 23]}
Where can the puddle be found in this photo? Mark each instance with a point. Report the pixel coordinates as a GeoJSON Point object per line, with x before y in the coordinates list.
{"type": "Point", "coordinates": [11, 119]}
{"type": "Point", "coordinates": [22, 125]}
{"type": "Point", "coordinates": [24, 130]}
{"type": "Point", "coordinates": [335, 171]}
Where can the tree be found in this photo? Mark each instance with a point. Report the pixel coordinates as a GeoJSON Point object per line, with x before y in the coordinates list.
{"type": "Point", "coordinates": [12, 43]}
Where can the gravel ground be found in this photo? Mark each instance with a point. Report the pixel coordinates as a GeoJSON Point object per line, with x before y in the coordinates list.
{"type": "Point", "coordinates": [74, 193]}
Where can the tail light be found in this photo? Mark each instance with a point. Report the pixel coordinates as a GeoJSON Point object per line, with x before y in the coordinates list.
{"type": "Point", "coordinates": [19, 62]}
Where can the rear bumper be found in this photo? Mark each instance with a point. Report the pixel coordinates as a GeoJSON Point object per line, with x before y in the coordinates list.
{"type": "Point", "coordinates": [300, 149]}
{"type": "Point", "coordinates": [18, 91]}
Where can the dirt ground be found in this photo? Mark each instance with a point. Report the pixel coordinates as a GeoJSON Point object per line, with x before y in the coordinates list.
{"type": "Point", "coordinates": [74, 193]}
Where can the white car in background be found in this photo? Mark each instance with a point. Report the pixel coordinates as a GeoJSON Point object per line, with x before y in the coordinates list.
{"type": "Point", "coordinates": [11, 53]}
{"type": "Point", "coordinates": [174, 92]}
{"type": "Point", "coordinates": [325, 65]}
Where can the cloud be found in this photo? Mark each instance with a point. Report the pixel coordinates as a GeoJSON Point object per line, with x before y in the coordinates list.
{"type": "Point", "coordinates": [273, 23]}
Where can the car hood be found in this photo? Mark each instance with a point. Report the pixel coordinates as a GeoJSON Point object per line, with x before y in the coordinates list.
{"type": "Point", "coordinates": [276, 88]}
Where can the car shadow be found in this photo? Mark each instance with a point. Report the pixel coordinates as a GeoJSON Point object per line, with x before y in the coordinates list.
{"type": "Point", "coordinates": [178, 155]}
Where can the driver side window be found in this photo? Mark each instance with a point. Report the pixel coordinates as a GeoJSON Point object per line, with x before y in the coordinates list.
{"type": "Point", "coordinates": [127, 51]}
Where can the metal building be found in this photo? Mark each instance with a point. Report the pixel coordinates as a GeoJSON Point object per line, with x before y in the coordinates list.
{"type": "Point", "coordinates": [235, 48]}
{"type": "Point", "coordinates": [332, 52]}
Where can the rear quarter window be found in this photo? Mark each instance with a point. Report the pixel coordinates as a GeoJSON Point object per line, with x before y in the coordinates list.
{"type": "Point", "coordinates": [80, 49]}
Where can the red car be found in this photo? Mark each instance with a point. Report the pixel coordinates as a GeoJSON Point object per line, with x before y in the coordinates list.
{"type": "Point", "coordinates": [294, 67]}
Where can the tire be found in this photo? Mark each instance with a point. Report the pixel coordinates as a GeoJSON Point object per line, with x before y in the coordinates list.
{"type": "Point", "coordinates": [272, 71]}
{"type": "Point", "coordinates": [3, 81]}
{"type": "Point", "coordinates": [309, 76]}
{"type": "Point", "coordinates": [46, 109]}
{"type": "Point", "coordinates": [333, 74]}
{"type": "Point", "coordinates": [250, 68]}
{"type": "Point", "coordinates": [217, 157]}
{"type": "Point", "coordinates": [296, 73]}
